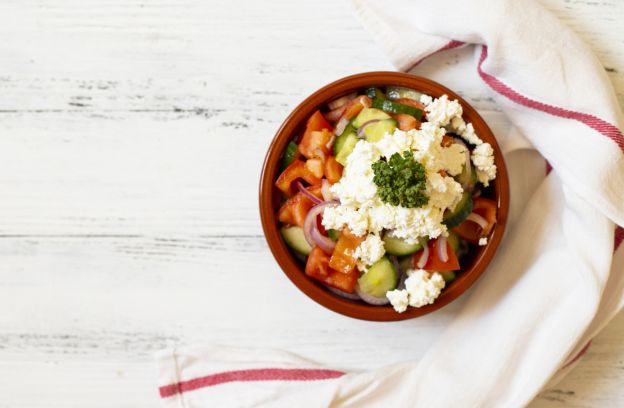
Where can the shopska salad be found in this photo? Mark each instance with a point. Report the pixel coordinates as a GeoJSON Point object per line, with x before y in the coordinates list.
{"type": "Point", "coordinates": [383, 195]}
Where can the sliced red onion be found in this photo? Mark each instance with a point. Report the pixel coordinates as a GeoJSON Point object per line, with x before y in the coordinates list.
{"type": "Point", "coordinates": [441, 246]}
{"type": "Point", "coordinates": [335, 114]}
{"type": "Point", "coordinates": [476, 218]}
{"type": "Point", "coordinates": [342, 101]}
{"type": "Point", "coordinates": [341, 293]}
{"type": "Point", "coordinates": [424, 257]}
{"type": "Point", "coordinates": [360, 132]}
{"type": "Point", "coordinates": [323, 242]}
{"type": "Point", "coordinates": [307, 193]}
{"type": "Point", "coordinates": [311, 231]}
{"type": "Point", "coordinates": [400, 273]}
{"type": "Point", "coordinates": [325, 191]}
{"type": "Point", "coordinates": [330, 144]}
{"type": "Point", "coordinates": [476, 193]}
{"type": "Point", "coordinates": [371, 300]}
{"type": "Point", "coordinates": [321, 154]}
{"type": "Point", "coordinates": [341, 125]}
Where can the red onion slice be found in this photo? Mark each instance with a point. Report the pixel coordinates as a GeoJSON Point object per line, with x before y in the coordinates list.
{"type": "Point", "coordinates": [311, 231]}
{"type": "Point", "coordinates": [330, 144]}
{"type": "Point", "coordinates": [360, 132]}
{"type": "Point", "coordinates": [342, 101]}
{"type": "Point", "coordinates": [308, 194]}
{"type": "Point", "coordinates": [341, 125]}
{"type": "Point", "coordinates": [327, 194]}
{"type": "Point", "coordinates": [424, 257]}
{"type": "Point", "coordinates": [371, 300]}
{"type": "Point", "coordinates": [335, 114]}
{"type": "Point", "coordinates": [476, 218]}
{"type": "Point", "coordinates": [341, 293]}
{"type": "Point", "coordinates": [441, 246]}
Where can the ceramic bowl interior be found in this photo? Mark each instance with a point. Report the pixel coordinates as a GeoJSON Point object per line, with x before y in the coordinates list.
{"type": "Point", "coordinates": [473, 263]}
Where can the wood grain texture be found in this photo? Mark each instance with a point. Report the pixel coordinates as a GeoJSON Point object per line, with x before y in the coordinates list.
{"type": "Point", "coordinates": [131, 139]}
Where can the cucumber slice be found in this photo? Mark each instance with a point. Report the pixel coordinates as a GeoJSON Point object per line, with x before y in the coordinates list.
{"type": "Point", "coordinates": [333, 234]}
{"type": "Point", "coordinates": [294, 238]}
{"type": "Point", "coordinates": [453, 218]}
{"type": "Point", "coordinates": [396, 92]}
{"type": "Point", "coordinates": [376, 131]}
{"type": "Point", "coordinates": [453, 241]}
{"type": "Point", "coordinates": [448, 276]}
{"type": "Point", "coordinates": [342, 138]}
{"type": "Point", "coordinates": [369, 114]}
{"type": "Point", "coordinates": [346, 148]}
{"type": "Point", "coordinates": [380, 278]}
{"type": "Point", "coordinates": [394, 107]}
{"type": "Point", "coordinates": [290, 154]}
{"type": "Point", "coordinates": [398, 247]}
{"type": "Point", "coordinates": [374, 92]}
{"type": "Point", "coordinates": [468, 179]}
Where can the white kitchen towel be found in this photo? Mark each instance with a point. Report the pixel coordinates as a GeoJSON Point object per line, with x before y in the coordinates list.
{"type": "Point", "coordinates": [556, 280]}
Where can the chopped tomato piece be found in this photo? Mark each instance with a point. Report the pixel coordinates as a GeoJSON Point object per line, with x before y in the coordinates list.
{"type": "Point", "coordinates": [316, 136]}
{"type": "Point", "coordinates": [434, 263]}
{"type": "Point", "coordinates": [296, 170]}
{"type": "Point", "coordinates": [342, 259]}
{"type": "Point", "coordinates": [315, 166]}
{"type": "Point", "coordinates": [317, 267]}
{"type": "Point", "coordinates": [470, 230]}
{"type": "Point", "coordinates": [295, 209]}
{"type": "Point", "coordinates": [447, 141]}
{"type": "Point", "coordinates": [355, 106]}
{"type": "Point", "coordinates": [333, 170]}
{"type": "Point", "coordinates": [411, 102]}
{"type": "Point", "coordinates": [406, 122]}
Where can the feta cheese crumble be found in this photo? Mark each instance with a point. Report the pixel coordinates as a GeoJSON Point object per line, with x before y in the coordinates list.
{"type": "Point", "coordinates": [421, 288]}
{"type": "Point", "coordinates": [369, 251]}
{"type": "Point", "coordinates": [448, 114]}
{"type": "Point", "coordinates": [362, 210]}
{"type": "Point", "coordinates": [483, 241]}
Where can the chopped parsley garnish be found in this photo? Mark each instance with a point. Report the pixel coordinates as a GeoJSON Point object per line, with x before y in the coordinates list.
{"type": "Point", "coordinates": [401, 180]}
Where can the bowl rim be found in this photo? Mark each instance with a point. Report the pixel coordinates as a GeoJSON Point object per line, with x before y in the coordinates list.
{"type": "Point", "coordinates": [286, 259]}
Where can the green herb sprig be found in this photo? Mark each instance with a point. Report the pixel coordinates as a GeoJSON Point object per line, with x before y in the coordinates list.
{"type": "Point", "coordinates": [401, 180]}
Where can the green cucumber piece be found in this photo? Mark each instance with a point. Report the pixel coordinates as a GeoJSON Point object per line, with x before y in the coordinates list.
{"type": "Point", "coordinates": [369, 114]}
{"type": "Point", "coordinates": [397, 246]}
{"type": "Point", "coordinates": [342, 138]}
{"type": "Point", "coordinates": [290, 154]}
{"type": "Point", "coordinates": [397, 92]}
{"type": "Point", "coordinates": [294, 238]}
{"type": "Point", "coordinates": [394, 107]}
{"type": "Point", "coordinates": [374, 132]}
{"type": "Point", "coordinates": [463, 208]}
{"type": "Point", "coordinates": [333, 234]}
{"type": "Point", "coordinates": [346, 148]}
{"type": "Point", "coordinates": [374, 92]}
{"type": "Point", "coordinates": [379, 279]}
{"type": "Point", "coordinates": [468, 179]}
{"type": "Point", "coordinates": [448, 276]}
{"type": "Point", "coordinates": [454, 241]}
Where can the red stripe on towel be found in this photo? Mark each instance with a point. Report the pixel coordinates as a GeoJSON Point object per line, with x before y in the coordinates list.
{"type": "Point", "coordinates": [578, 355]}
{"type": "Point", "coordinates": [601, 126]}
{"type": "Point", "coordinates": [259, 374]}
{"type": "Point", "coordinates": [619, 237]}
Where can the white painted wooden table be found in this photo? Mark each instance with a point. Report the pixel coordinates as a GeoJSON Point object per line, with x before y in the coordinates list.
{"type": "Point", "coordinates": [131, 140]}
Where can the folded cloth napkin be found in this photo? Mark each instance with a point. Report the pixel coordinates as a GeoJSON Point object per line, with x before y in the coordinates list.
{"type": "Point", "coordinates": [556, 280]}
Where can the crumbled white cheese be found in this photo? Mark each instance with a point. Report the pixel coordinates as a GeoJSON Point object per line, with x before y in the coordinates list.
{"type": "Point", "coordinates": [483, 159]}
{"type": "Point", "coordinates": [369, 251]}
{"type": "Point", "coordinates": [483, 241]}
{"type": "Point", "coordinates": [398, 299]}
{"type": "Point", "coordinates": [441, 111]}
{"type": "Point", "coordinates": [363, 211]}
{"type": "Point", "coordinates": [423, 288]}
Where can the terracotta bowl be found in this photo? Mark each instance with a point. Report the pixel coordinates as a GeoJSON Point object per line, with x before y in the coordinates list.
{"type": "Point", "coordinates": [475, 262]}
